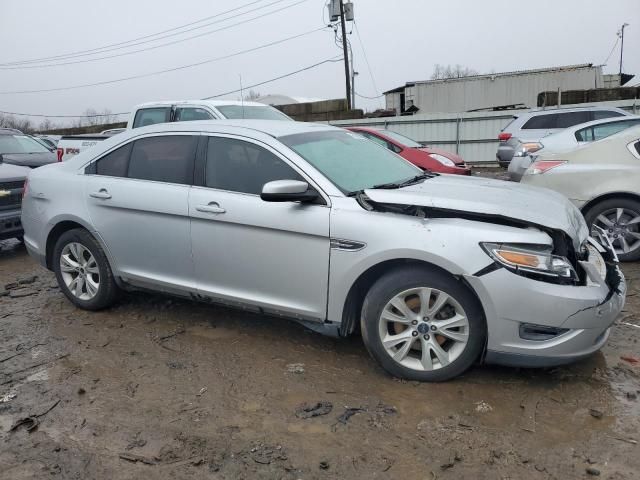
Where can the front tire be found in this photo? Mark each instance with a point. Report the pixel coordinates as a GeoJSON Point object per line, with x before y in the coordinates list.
{"type": "Point", "coordinates": [83, 272]}
{"type": "Point", "coordinates": [620, 220]}
{"type": "Point", "coordinates": [422, 324]}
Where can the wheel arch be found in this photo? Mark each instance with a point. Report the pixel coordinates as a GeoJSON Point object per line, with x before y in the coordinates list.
{"type": "Point", "coordinates": [353, 302]}
{"type": "Point", "coordinates": [64, 224]}
{"type": "Point", "coordinates": [608, 196]}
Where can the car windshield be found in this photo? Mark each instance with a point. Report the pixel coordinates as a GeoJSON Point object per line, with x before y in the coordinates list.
{"type": "Point", "coordinates": [12, 144]}
{"type": "Point", "coordinates": [350, 161]}
{"type": "Point", "coordinates": [252, 112]}
{"type": "Point", "coordinates": [406, 141]}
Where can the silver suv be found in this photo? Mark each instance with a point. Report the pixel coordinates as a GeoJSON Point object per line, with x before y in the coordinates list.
{"type": "Point", "coordinates": [530, 127]}
{"type": "Point", "coordinates": [320, 225]}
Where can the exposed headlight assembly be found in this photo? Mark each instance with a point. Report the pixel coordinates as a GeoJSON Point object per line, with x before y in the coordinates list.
{"type": "Point", "coordinates": [535, 261]}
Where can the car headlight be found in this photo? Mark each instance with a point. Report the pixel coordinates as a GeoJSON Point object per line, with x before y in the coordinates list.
{"type": "Point", "coordinates": [525, 149]}
{"type": "Point", "coordinates": [534, 261]}
{"type": "Point", "coordinates": [442, 159]}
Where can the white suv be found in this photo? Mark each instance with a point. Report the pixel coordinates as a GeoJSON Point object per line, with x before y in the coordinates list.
{"type": "Point", "coordinates": [531, 126]}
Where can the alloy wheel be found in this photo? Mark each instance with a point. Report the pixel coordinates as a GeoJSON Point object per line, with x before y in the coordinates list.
{"type": "Point", "coordinates": [424, 329]}
{"type": "Point", "coordinates": [79, 270]}
{"type": "Point", "coordinates": [622, 227]}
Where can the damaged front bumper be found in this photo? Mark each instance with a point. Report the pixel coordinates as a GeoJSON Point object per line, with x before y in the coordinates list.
{"type": "Point", "coordinates": [574, 320]}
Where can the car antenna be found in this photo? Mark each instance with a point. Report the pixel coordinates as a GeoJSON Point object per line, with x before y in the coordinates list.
{"type": "Point", "coordinates": [241, 95]}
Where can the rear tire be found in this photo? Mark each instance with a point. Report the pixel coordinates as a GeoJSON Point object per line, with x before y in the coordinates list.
{"type": "Point", "coordinates": [83, 271]}
{"type": "Point", "coordinates": [443, 324]}
{"type": "Point", "coordinates": [614, 216]}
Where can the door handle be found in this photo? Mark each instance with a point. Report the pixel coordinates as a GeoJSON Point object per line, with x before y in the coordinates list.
{"type": "Point", "coordinates": [212, 207]}
{"type": "Point", "coordinates": [101, 194]}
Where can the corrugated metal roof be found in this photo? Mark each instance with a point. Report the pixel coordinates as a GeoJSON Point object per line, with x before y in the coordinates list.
{"type": "Point", "coordinates": [514, 73]}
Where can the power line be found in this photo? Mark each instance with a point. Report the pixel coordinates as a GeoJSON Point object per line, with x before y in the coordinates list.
{"type": "Point", "coordinates": [309, 67]}
{"type": "Point", "coordinates": [182, 67]}
{"type": "Point", "coordinates": [370, 98]}
{"type": "Point", "coordinates": [329, 60]}
{"type": "Point", "coordinates": [612, 50]}
{"type": "Point", "coordinates": [163, 44]}
{"type": "Point", "coordinates": [76, 53]}
{"type": "Point", "coordinates": [366, 59]}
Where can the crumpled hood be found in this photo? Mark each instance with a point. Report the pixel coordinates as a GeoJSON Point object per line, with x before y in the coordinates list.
{"type": "Point", "coordinates": [508, 200]}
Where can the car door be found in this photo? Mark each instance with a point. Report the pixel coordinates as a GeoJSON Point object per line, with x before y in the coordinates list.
{"type": "Point", "coordinates": [138, 200]}
{"type": "Point", "coordinates": [246, 251]}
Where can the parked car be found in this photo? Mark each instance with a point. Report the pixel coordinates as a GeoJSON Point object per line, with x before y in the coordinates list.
{"type": "Point", "coordinates": [530, 127]}
{"type": "Point", "coordinates": [323, 226]}
{"type": "Point", "coordinates": [567, 140]}
{"type": "Point", "coordinates": [426, 158]}
{"type": "Point", "coordinates": [193, 110]}
{"type": "Point", "coordinates": [51, 145]}
{"type": "Point", "coordinates": [20, 149]}
{"type": "Point", "coordinates": [12, 178]}
{"type": "Point", "coordinates": [603, 180]}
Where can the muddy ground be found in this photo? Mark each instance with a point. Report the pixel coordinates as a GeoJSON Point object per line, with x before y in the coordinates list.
{"type": "Point", "coordinates": [163, 388]}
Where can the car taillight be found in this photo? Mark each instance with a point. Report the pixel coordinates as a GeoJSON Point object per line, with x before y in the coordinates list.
{"type": "Point", "coordinates": [504, 136]}
{"type": "Point", "coordinates": [24, 188]}
{"type": "Point", "coordinates": [541, 166]}
{"type": "Point", "coordinates": [60, 152]}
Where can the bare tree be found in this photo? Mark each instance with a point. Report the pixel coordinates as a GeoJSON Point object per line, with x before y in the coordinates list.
{"type": "Point", "coordinates": [46, 125]}
{"type": "Point", "coordinates": [252, 95]}
{"type": "Point", "coordinates": [441, 72]}
{"type": "Point", "coordinates": [92, 117]}
{"type": "Point", "coordinates": [22, 124]}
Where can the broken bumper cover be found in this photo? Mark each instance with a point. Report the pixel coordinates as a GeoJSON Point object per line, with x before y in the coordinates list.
{"type": "Point", "coordinates": [581, 315]}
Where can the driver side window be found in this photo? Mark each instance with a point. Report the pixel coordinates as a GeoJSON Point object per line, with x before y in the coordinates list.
{"type": "Point", "coordinates": [239, 166]}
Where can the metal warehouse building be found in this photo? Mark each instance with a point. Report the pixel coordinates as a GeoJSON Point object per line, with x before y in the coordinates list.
{"type": "Point", "coordinates": [477, 92]}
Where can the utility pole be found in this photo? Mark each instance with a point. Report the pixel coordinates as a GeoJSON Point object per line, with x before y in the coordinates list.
{"type": "Point", "coordinates": [345, 53]}
{"type": "Point", "coordinates": [622, 46]}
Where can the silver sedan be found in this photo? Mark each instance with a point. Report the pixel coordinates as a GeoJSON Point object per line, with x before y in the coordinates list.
{"type": "Point", "coordinates": [320, 225]}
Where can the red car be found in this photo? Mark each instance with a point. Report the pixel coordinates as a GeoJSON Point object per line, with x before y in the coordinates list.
{"type": "Point", "coordinates": [426, 158]}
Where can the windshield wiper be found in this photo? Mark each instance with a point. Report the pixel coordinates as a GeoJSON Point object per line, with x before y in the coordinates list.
{"type": "Point", "coordinates": [410, 181]}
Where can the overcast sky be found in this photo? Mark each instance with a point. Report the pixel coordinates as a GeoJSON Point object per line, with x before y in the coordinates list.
{"type": "Point", "coordinates": [403, 41]}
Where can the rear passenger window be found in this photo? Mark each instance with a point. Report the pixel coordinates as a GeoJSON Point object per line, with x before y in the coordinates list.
{"type": "Point", "coordinates": [239, 166]}
{"type": "Point", "coordinates": [192, 114]}
{"type": "Point", "coordinates": [541, 122]}
{"type": "Point", "coordinates": [600, 114]}
{"type": "Point", "coordinates": [164, 159]}
{"type": "Point", "coordinates": [113, 164]}
{"type": "Point", "coordinates": [570, 119]}
{"type": "Point", "coordinates": [151, 116]}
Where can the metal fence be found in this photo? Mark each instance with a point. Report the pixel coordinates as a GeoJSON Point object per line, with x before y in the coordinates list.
{"type": "Point", "coordinates": [472, 135]}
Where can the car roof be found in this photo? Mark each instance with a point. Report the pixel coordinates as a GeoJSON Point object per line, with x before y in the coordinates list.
{"type": "Point", "coordinates": [273, 128]}
{"type": "Point", "coordinates": [602, 121]}
{"type": "Point", "coordinates": [540, 111]}
{"type": "Point", "coordinates": [211, 103]}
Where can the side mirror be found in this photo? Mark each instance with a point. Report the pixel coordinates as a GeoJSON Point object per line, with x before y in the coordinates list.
{"type": "Point", "coordinates": [288, 191]}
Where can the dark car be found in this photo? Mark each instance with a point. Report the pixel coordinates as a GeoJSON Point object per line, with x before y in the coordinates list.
{"type": "Point", "coordinates": [12, 180]}
{"type": "Point", "coordinates": [427, 158]}
{"type": "Point", "coordinates": [20, 149]}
